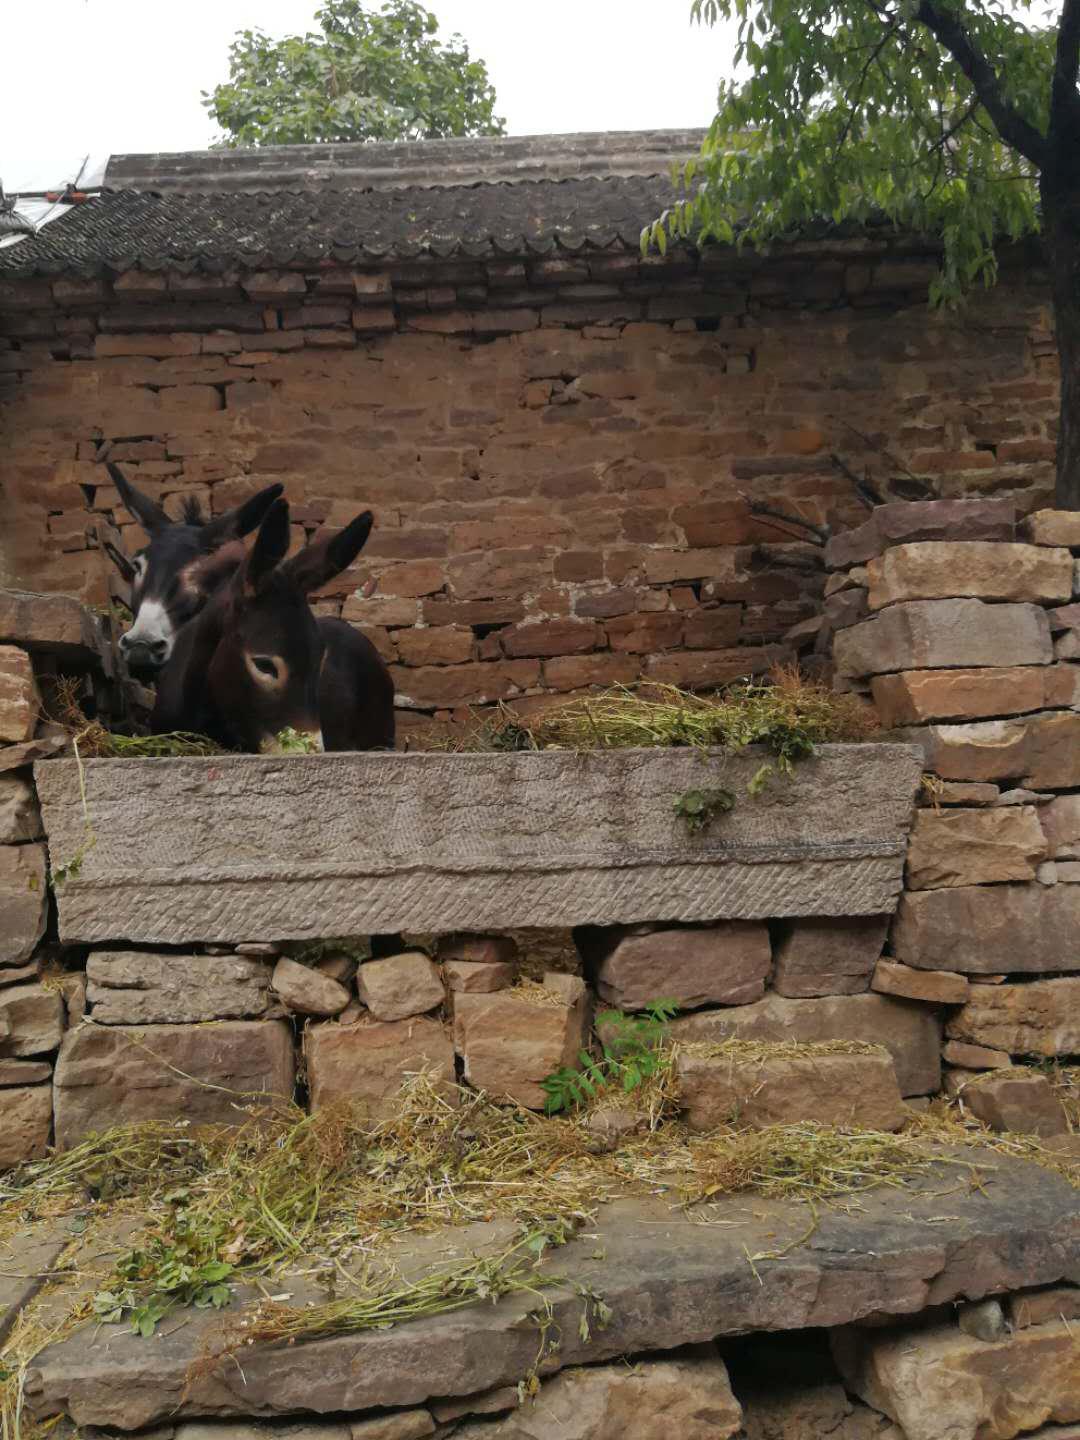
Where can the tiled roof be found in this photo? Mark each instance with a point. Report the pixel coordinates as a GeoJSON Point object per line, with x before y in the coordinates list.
{"type": "Point", "coordinates": [361, 204]}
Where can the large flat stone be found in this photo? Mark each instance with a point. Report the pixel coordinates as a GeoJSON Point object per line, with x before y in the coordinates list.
{"type": "Point", "coordinates": [725, 964]}
{"type": "Point", "coordinates": [20, 702]}
{"type": "Point", "coordinates": [138, 987]}
{"type": "Point", "coordinates": [1054, 751]}
{"type": "Point", "coordinates": [974, 847]}
{"type": "Point", "coordinates": [944, 634]}
{"type": "Point", "coordinates": [20, 818]}
{"type": "Point", "coordinates": [910, 1032]}
{"type": "Point", "coordinates": [980, 751]}
{"type": "Point", "coordinates": [688, 1396]}
{"type": "Point", "coordinates": [24, 1134]}
{"type": "Point", "coordinates": [858, 1090]}
{"type": "Point", "coordinates": [511, 1043]}
{"type": "Point", "coordinates": [915, 697]}
{"type": "Point", "coordinates": [368, 1062]}
{"type": "Point", "coordinates": [1016, 1099]}
{"type": "Point", "coordinates": [112, 1075]}
{"type": "Point", "coordinates": [827, 956]}
{"type": "Point", "coordinates": [940, 1384]}
{"type": "Point", "coordinates": [544, 840]}
{"type": "Point", "coordinates": [33, 1018]}
{"type": "Point", "coordinates": [1060, 820]}
{"type": "Point", "coordinates": [1042, 751]}
{"type": "Point", "coordinates": [1041, 1018]}
{"type": "Point", "coordinates": [52, 624]}
{"type": "Point", "coordinates": [667, 1279]}
{"type": "Point", "coordinates": [905, 521]}
{"type": "Point", "coordinates": [24, 901]}
{"type": "Point", "coordinates": [1052, 527]}
{"type": "Point", "coordinates": [989, 929]}
{"type": "Point", "coordinates": [976, 569]}
{"type": "Point", "coordinates": [25, 1261]}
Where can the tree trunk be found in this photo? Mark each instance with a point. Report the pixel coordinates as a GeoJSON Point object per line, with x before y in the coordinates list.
{"type": "Point", "coordinates": [1061, 223]}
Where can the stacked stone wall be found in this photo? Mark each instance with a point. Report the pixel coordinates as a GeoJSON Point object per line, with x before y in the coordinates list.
{"type": "Point", "coordinates": [960, 625]}
{"type": "Point", "coordinates": [559, 451]}
{"type": "Point", "coordinates": [43, 639]}
{"type": "Point", "coordinates": [906, 1307]}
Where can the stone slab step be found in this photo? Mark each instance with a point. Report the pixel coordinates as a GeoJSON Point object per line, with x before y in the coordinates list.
{"type": "Point", "coordinates": [668, 1278]}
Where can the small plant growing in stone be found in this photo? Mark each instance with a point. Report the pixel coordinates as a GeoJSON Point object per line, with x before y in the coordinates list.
{"type": "Point", "coordinates": [699, 808]}
{"type": "Point", "coordinates": [183, 1268]}
{"type": "Point", "coordinates": [631, 1054]}
{"type": "Point", "coordinates": [293, 742]}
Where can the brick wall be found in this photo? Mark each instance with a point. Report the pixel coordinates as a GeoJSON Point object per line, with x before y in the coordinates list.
{"type": "Point", "coordinates": [557, 450]}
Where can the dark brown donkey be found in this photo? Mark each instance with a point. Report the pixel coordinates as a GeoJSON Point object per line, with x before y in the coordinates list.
{"type": "Point", "coordinates": [172, 577]}
{"type": "Point", "coordinates": [256, 661]}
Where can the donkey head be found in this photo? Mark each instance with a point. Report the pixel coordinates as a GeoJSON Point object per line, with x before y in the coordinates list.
{"type": "Point", "coordinates": [172, 577]}
{"type": "Point", "coordinates": [263, 677]}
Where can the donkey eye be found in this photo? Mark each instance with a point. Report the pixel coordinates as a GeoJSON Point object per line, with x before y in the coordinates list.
{"type": "Point", "coordinates": [265, 666]}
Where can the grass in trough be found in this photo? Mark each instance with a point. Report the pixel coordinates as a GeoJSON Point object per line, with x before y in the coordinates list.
{"type": "Point", "coordinates": [788, 714]}
{"type": "Point", "coordinates": [92, 741]}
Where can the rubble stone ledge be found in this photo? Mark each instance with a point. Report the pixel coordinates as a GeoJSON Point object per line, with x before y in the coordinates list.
{"type": "Point", "coordinates": [667, 1279]}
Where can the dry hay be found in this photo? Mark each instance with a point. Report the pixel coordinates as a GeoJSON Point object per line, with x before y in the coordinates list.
{"type": "Point", "coordinates": [92, 741]}
{"type": "Point", "coordinates": [741, 1051]}
{"type": "Point", "coordinates": [533, 992]}
{"type": "Point", "coordinates": [789, 714]}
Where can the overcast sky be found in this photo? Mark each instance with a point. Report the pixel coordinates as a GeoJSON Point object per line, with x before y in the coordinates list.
{"type": "Point", "coordinates": [108, 76]}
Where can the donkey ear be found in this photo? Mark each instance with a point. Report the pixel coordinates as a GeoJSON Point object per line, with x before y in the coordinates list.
{"type": "Point", "coordinates": [149, 514]}
{"type": "Point", "coordinates": [323, 559]}
{"type": "Point", "coordinates": [121, 561]}
{"type": "Point", "coordinates": [270, 548]}
{"type": "Point", "coordinates": [239, 521]}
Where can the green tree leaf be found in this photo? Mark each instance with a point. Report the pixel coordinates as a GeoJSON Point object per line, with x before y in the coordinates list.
{"type": "Point", "coordinates": [366, 74]}
{"type": "Point", "coordinates": [957, 119]}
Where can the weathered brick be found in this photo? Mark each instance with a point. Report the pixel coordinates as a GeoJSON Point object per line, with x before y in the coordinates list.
{"type": "Point", "coordinates": [551, 637]}
{"type": "Point", "coordinates": [436, 645]}
{"type": "Point", "coordinates": [702, 669]}
{"type": "Point", "coordinates": [714, 628]}
{"type": "Point", "coordinates": [576, 672]}
{"type": "Point", "coordinates": [644, 634]}
{"type": "Point", "coordinates": [433, 687]}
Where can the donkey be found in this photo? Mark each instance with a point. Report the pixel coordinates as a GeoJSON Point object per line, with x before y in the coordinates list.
{"type": "Point", "coordinates": [256, 661]}
{"type": "Point", "coordinates": [172, 577]}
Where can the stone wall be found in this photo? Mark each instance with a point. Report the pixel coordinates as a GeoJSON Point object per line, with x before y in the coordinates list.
{"type": "Point", "coordinates": [957, 621]}
{"type": "Point", "coordinates": [42, 638]}
{"type": "Point", "coordinates": [768, 929]}
{"type": "Point", "coordinates": [960, 622]}
{"type": "Point", "coordinates": [904, 1312]}
{"type": "Point", "coordinates": [557, 450]}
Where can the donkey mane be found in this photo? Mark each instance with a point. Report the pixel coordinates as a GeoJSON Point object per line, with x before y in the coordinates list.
{"type": "Point", "coordinates": [192, 511]}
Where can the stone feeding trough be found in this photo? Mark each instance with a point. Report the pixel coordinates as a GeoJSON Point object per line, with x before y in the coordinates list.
{"type": "Point", "coordinates": [247, 848]}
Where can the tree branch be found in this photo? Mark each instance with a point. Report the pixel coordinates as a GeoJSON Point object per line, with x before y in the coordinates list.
{"type": "Point", "coordinates": [818, 533]}
{"type": "Point", "coordinates": [1010, 124]}
{"type": "Point", "coordinates": [1064, 100]}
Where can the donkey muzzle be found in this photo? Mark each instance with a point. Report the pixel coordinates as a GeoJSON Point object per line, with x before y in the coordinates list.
{"type": "Point", "coordinates": [144, 657]}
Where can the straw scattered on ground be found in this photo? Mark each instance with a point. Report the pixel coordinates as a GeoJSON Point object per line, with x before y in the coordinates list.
{"type": "Point", "coordinates": [326, 1192]}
